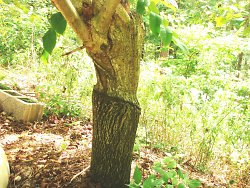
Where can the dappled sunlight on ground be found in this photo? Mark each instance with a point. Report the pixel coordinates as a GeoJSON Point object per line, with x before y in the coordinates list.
{"type": "Point", "coordinates": [46, 154]}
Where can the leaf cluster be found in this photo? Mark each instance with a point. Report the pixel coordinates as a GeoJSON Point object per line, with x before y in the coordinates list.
{"type": "Point", "coordinates": [58, 26]}
{"type": "Point", "coordinates": [155, 13]}
{"type": "Point", "coordinates": [167, 174]}
{"type": "Point", "coordinates": [157, 23]}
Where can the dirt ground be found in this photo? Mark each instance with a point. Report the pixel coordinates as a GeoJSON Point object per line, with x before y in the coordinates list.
{"type": "Point", "coordinates": [47, 153]}
{"type": "Point", "coordinates": [50, 153]}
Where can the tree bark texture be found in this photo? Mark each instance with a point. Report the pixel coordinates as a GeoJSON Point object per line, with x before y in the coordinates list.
{"type": "Point", "coordinates": [116, 109]}
{"type": "Point", "coordinates": [113, 37]}
{"type": "Point", "coordinates": [115, 124]}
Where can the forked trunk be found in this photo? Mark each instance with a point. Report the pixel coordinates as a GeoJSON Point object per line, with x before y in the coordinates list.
{"type": "Point", "coordinates": [113, 37]}
{"type": "Point", "coordinates": [116, 110]}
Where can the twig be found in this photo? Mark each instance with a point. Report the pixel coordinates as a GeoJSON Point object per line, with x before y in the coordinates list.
{"type": "Point", "coordinates": [34, 174]}
{"type": "Point", "coordinates": [75, 50]}
{"type": "Point", "coordinates": [80, 173]}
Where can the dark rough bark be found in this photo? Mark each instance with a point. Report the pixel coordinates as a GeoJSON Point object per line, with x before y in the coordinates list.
{"type": "Point", "coordinates": [115, 124]}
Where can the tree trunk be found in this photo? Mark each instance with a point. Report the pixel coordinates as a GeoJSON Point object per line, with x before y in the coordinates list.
{"type": "Point", "coordinates": [113, 37]}
{"type": "Point", "coordinates": [115, 123]}
{"type": "Point", "coordinates": [116, 109]}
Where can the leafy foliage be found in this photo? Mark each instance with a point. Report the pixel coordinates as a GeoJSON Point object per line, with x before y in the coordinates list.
{"type": "Point", "coordinates": [57, 105]}
{"type": "Point", "coordinates": [166, 36]}
{"type": "Point", "coordinates": [167, 174]}
{"type": "Point", "coordinates": [137, 175]}
{"type": "Point", "coordinates": [58, 25]}
{"type": "Point", "coordinates": [21, 24]}
{"type": "Point", "coordinates": [141, 6]}
{"type": "Point", "coordinates": [157, 23]}
{"type": "Point", "coordinates": [199, 96]}
{"type": "Point", "coordinates": [58, 22]}
{"type": "Point", "coordinates": [49, 40]}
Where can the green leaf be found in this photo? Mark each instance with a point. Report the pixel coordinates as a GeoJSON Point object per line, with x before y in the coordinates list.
{"type": "Point", "coordinates": [171, 163]}
{"type": "Point", "coordinates": [158, 183]}
{"type": "Point", "coordinates": [34, 17]}
{"type": "Point", "coordinates": [45, 57]}
{"type": "Point", "coordinates": [171, 174]}
{"type": "Point", "coordinates": [21, 6]}
{"type": "Point", "coordinates": [220, 21]}
{"type": "Point", "coordinates": [169, 186]}
{"type": "Point", "coordinates": [185, 177]}
{"type": "Point", "coordinates": [170, 4]}
{"type": "Point", "coordinates": [167, 160]}
{"type": "Point", "coordinates": [64, 146]}
{"type": "Point", "coordinates": [133, 185]}
{"type": "Point", "coordinates": [165, 22]}
{"type": "Point", "coordinates": [180, 173]}
{"type": "Point", "coordinates": [146, 2]}
{"type": "Point", "coordinates": [141, 6]}
{"type": "Point", "coordinates": [165, 177]}
{"type": "Point", "coordinates": [136, 147]}
{"type": "Point", "coordinates": [181, 185]}
{"type": "Point", "coordinates": [174, 181]}
{"type": "Point", "coordinates": [246, 31]}
{"type": "Point", "coordinates": [49, 40]}
{"type": "Point", "coordinates": [194, 183]}
{"type": "Point", "coordinates": [131, 1]}
{"type": "Point", "coordinates": [157, 164]}
{"type": "Point", "coordinates": [137, 175]}
{"type": "Point", "coordinates": [159, 169]}
{"type": "Point", "coordinates": [58, 22]}
{"type": "Point", "coordinates": [166, 36]}
{"type": "Point", "coordinates": [155, 1]}
{"type": "Point", "coordinates": [153, 8]}
{"type": "Point", "coordinates": [180, 44]}
{"type": "Point", "coordinates": [149, 182]}
{"type": "Point", "coordinates": [155, 23]}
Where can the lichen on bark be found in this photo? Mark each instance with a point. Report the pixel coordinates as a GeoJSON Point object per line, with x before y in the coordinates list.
{"type": "Point", "coordinates": [121, 58]}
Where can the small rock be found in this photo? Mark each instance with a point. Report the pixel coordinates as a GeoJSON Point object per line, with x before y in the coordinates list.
{"type": "Point", "coordinates": [10, 118]}
{"type": "Point", "coordinates": [17, 178]}
{"type": "Point", "coordinates": [7, 120]}
{"type": "Point", "coordinates": [3, 113]}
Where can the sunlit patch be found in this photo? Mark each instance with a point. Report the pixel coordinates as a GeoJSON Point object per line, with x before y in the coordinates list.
{"type": "Point", "coordinates": [48, 139]}
{"type": "Point", "coordinates": [9, 139]}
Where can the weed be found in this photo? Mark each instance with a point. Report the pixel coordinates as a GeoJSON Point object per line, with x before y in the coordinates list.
{"type": "Point", "coordinates": [167, 174]}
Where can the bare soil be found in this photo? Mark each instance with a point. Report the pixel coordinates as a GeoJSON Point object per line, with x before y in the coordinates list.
{"type": "Point", "coordinates": [53, 152]}
{"type": "Point", "coordinates": [47, 153]}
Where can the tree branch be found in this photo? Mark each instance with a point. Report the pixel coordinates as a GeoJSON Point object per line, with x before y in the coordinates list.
{"type": "Point", "coordinates": [70, 14]}
{"type": "Point", "coordinates": [72, 51]}
{"type": "Point", "coordinates": [103, 19]}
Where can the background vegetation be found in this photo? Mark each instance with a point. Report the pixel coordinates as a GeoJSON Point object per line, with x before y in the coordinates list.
{"type": "Point", "coordinates": [195, 97]}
